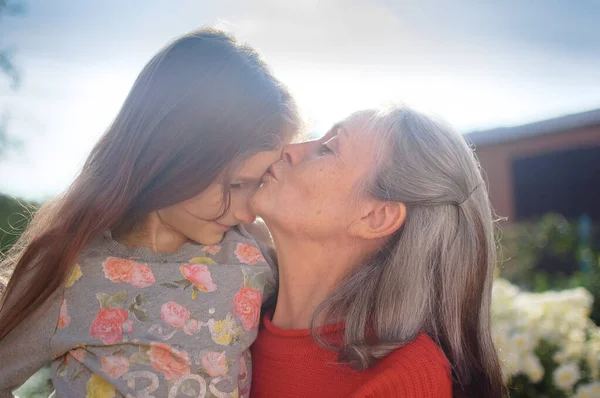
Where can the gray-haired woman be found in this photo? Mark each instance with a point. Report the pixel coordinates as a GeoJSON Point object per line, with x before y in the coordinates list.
{"type": "Point", "coordinates": [384, 235]}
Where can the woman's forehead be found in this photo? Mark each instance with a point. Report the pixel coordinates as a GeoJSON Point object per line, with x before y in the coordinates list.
{"type": "Point", "coordinates": [356, 126]}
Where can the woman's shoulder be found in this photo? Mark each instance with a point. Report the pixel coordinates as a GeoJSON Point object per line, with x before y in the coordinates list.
{"type": "Point", "coordinates": [417, 369]}
{"type": "Point", "coordinates": [421, 350]}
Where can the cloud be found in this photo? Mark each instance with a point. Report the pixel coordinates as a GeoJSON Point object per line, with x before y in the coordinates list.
{"type": "Point", "coordinates": [403, 32]}
{"type": "Point", "coordinates": [476, 64]}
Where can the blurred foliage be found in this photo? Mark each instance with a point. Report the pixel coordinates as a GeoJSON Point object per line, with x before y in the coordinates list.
{"type": "Point", "coordinates": [7, 66]}
{"type": "Point", "coordinates": [14, 217]}
{"type": "Point", "coordinates": [37, 386]}
{"type": "Point", "coordinates": [9, 69]}
{"type": "Point", "coordinates": [553, 254]}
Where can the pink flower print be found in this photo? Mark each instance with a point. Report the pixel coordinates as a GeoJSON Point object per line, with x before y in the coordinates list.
{"type": "Point", "coordinates": [214, 249]}
{"type": "Point", "coordinates": [108, 325]}
{"type": "Point", "coordinates": [247, 303]}
{"type": "Point", "coordinates": [114, 365]}
{"type": "Point", "coordinates": [173, 363]}
{"type": "Point", "coordinates": [64, 319]}
{"type": "Point", "coordinates": [122, 270]}
{"type": "Point", "coordinates": [215, 363]}
{"type": "Point", "coordinates": [78, 354]}
{"type": "Point", "coordinates": [117, 269]}
{"type": "Point", "coordinates": [198, 274]}
{"type": "Point", "coordinates": [142, 276]}
{"type": "Point", "coordinates": [174, 314]}
{"type": "Point", "coordinates": [248, 254]}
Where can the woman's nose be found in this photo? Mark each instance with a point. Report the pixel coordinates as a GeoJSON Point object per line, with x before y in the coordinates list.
{"type": "Point", "coordinates": [293, 153]}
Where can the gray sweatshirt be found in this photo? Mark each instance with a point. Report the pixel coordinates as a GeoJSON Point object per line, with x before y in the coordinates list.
{"type": "Point", "coordinates": [133, 323]}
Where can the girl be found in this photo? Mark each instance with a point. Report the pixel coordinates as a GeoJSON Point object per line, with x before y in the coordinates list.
{"type": "Point", "coordinates": [117, 282]}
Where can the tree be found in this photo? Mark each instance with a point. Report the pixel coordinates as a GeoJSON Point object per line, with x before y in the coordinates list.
{"type": "Point", "coordinates": [8, 68]}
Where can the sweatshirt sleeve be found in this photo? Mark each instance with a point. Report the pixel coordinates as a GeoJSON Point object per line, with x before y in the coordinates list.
{"type": "Point", "coordinates": [27, 347]}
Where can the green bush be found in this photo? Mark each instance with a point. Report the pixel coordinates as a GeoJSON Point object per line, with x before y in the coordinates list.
{"type": "Point", "coordinates": [553, 254]}
{"type": "Point", "coordinates": [14, 217]}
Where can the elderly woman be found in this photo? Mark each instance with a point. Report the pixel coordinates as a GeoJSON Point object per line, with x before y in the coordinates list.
{"type": "Point", "coordinates": [384, 235]}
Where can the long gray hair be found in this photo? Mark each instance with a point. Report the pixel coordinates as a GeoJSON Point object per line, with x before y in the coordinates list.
{"type": "Point", "coordinates": [435, 274]}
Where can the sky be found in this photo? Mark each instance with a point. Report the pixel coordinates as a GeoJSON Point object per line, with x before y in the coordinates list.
{"type": "Point", "coordinates": [478, 65]}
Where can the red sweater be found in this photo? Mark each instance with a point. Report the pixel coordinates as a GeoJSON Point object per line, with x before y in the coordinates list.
{"type": "Point", "coordinates": [289, 363]}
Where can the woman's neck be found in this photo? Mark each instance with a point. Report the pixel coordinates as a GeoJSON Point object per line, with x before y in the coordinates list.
{"type": "Point", "coordinates": [308, 273]}
{"type": "Point", "coordinates": [151, 233]}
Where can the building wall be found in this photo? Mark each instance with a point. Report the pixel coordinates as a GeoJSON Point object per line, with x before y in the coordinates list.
{"type": "Point", "coordinates": [496, 160]}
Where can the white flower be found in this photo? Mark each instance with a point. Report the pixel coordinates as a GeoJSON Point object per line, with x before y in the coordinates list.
{"type": "Point", "coordinates": [547, 329]}
{"type": "Point", "coordinates": [593, 360]}
{"type": "Point", "coordinates": [574, 350]}
{"type": "Point", "coordinates": [588, 391]}
{"type": "Point", "coordinates": [565, 376]}
{"type": "Point", "coordinates": [533, 368]}
{"type": "Point", "coordinates": [583, 392]}
{"type": "Point", "coordinates": [521, 342]}
{"type": "Point", "coordinates": [510, 364]}
{"type": "Point", "coordinates": [577, 336]}
{"type": "Point", "coordinates": [521, 320]}
{"type": "Point", "coordinates": [503, 289]}
{"type": "Point", "coordinates": [560, 357]}
{"type": "Point", "coordinates": [577, 318]}
{"type": "Point", "coordinates": [500, 339]}
{"type": "Point", "coordinates": [595, 389]}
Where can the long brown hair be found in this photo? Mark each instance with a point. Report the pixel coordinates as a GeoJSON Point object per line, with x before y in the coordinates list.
{"type": "Point", "coordinates": [202, 102]}
{"type": "Point", "coordinates": [435, 274]}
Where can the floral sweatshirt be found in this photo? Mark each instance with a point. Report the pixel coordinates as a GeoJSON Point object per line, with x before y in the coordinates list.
{"type": "Point", "coordinates": [133, 323]}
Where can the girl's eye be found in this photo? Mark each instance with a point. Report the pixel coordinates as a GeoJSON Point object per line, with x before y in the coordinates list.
{"type": "Point", "coordinates": [236, 186]}
{"type": "Point", "coordinates": [324, 149]}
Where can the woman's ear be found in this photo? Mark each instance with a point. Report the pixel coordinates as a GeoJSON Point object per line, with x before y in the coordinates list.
{"type": "Point", "coordinates": [379, 220]}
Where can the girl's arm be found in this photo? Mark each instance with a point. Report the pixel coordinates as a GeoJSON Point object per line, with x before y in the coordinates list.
{"type": "Point", "coordinates": [27, 347]}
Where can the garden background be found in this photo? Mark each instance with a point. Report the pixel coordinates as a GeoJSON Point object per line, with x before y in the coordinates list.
{"type": "Point", "coordinates": [533, 66]}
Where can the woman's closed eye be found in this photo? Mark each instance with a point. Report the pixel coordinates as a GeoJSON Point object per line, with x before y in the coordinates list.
{"type": "Point", "coordinates": [324, 149]}
{"type": "Point", "coordinates": [246, 185]}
